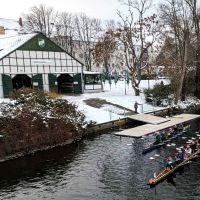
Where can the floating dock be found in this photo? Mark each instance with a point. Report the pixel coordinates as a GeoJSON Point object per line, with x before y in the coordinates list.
{"type": "Point", "coordinates": [148, 118]}
{"type": "Point", "coordinates": [153, 126]}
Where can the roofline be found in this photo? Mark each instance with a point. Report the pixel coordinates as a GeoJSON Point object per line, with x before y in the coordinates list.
{"type": "Point", "coordinates": [62, 49]}
{"type": "Point", "coordinates": [17, 47]}
{"type": "Point", "coordinates": [37, 33]}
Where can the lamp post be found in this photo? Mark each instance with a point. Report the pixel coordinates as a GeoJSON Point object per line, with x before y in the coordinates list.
{"type": "Point", "coordinates": [146, 55]}
{"type": "Point", "coordinates": [125, 81]}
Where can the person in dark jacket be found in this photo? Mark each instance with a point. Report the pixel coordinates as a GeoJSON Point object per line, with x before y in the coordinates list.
{"type": "Point", "coordinates": [136, 106]}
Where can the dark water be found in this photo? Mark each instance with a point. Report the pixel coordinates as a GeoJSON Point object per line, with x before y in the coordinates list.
{"type": "Point", "coordinates": [101, 168]}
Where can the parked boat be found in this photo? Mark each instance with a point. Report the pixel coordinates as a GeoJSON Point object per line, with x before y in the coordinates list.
{"type": "Point", "coordinates": [167, 172]}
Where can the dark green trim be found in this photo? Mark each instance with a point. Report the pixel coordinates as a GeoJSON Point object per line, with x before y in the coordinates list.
{"type": "Point", "coordinates": [52, 80]}
{"type": "Point", "coordinates": [33, 44]}
{"type": "Point", "coordinates": [77, 83]}
{"type": "Point", "coordinates": [7, 85]}
{"type": "Point", "coordinates": [38, 78]}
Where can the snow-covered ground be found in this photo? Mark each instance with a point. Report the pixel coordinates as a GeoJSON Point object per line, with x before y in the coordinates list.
{"type": "Point", "coordinates": [120, 94]}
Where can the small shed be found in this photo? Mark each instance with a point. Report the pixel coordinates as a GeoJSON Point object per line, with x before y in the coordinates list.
{"type": "Point", "coordinates": [92, 81]}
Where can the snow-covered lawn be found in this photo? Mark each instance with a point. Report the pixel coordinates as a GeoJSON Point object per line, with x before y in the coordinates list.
{"type": "Point", "coordinates": [120, 94]}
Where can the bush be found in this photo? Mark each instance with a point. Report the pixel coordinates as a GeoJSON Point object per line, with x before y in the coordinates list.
{"type": "Point", "coordinates": [159, 93]}
{"type": "Point", "coordinates": [36, 120]}
{"type": "Point", "coordinates": [148, 76]}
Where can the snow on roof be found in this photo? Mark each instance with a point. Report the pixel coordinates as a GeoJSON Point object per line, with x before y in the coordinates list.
{"type": "Point", "coordinates": [9, 23]}
{"type": "Point", "coordinates": [11, 26]}
{"type": "Point", "coordinates": [10, 43]}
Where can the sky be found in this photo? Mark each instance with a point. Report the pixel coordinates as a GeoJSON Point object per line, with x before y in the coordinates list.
{"type": "Point", "coordinates": [103, 9]}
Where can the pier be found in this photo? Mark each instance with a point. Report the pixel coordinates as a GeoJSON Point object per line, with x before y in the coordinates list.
{"type": "Point", "coordinates": [154, 124]}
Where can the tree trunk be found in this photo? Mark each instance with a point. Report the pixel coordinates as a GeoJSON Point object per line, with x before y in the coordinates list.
{"type": "Point", "coordinates": [135, 86]}
{"type": "Point", "coordinates": [197, 77]}
{"type": "Point", "coordinates": [137, 91]}
{"type": "Point", "coordinates": [183, 71]}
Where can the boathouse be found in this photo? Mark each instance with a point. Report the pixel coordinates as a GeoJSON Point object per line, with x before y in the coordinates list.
{"type": "Point", "coordinates": [33, 60]}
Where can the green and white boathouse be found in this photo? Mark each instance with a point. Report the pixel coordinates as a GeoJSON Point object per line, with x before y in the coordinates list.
{"type": "Point", "coordinates": [33, 60]}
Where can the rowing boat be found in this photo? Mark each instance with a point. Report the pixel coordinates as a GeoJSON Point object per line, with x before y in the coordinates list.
{"type": "Point", "coordinates": [153, 146]}
{"type": "Point", "coordinates": [167, 172]}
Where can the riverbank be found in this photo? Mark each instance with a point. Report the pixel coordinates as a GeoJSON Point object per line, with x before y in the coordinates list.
{"type": "Point", "coordinates": [113, 125]}
{"type": "Point", "coordinates": [32, 152]}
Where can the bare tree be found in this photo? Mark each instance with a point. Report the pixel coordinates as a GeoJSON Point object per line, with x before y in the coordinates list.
{"type": "Point", "coordinates": [195, 11]}
{"type": "Point", "coordinates": [88, 31]}
{"type": "Point", "coordinates": [137, 34]}
{"type": "Point", "coordinates": [103, 51]}
{"type": "Point", "coordinates": [40, 19]}
{"type": "Point", "coordinates": [177, 16]}
{"type": "Point", "coordinates": [65, 31]}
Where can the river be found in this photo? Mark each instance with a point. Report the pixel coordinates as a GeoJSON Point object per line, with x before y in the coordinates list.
{"type": "Point", "coordinates": [99, 168]}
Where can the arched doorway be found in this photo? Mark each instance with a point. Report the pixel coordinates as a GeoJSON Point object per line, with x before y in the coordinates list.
{"type": "Point", "coordinates": [21, 80]}
{"type": "Point", "coordinates": [65, 83]}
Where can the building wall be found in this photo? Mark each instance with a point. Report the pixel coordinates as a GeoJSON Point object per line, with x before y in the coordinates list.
{"type": "Point", "coordinates": [37, 60]}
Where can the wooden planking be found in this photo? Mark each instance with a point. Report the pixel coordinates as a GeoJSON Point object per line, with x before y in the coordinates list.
{"type": "Point", "coordinates": [148, 118]}
{"type": "Point", "coordinates": [146, 129]}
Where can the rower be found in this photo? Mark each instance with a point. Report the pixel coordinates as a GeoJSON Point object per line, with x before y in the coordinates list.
{"type": "Point", "coordinates": [158, 139]}
{"type": "Point", "coordinates": [170, 163]}
{"type": "Point", "coordinates": [175, 129]}
{"type": "Point", "coordinates": [180, 127]}
{"type": "Point", "coordinates": [188, 151]}
{"type": "Point", "coordinates": [193, 146]}
{"type": "Point", "coordinates": [169, 133]}
{"type": "Point", "coordinates": [198, 143]}
{"type": "Point", "coordinates": [163, 136]}
{"type": "Point", "coordinates": [180, 156]}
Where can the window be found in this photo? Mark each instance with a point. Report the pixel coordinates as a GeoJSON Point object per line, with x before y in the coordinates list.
{"type": "Point", "coordinates": [92, 79]}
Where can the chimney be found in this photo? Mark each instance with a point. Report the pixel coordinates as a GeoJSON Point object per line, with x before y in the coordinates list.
{"type": "Point", "coordinates": [2, 30]}
{"type": "Point", "coordinates": [20, 22]}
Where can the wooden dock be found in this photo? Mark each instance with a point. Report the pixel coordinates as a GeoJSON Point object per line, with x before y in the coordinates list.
{"type": "Point", "coordinates": [146, 129]}
{"type": "Point", "coordinates": [148, 118]}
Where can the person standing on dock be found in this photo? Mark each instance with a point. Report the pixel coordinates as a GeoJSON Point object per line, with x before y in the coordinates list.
{"type": "Point", "coordinates": [136, 106]}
